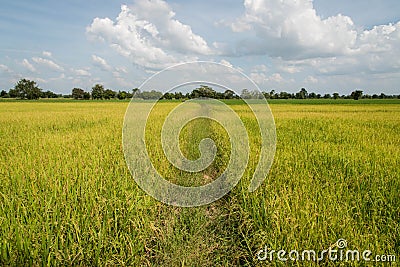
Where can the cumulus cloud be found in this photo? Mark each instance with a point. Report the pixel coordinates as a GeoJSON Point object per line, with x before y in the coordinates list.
{"type": "Point", "coordinates": [259, 74]}
{"type": "Point", "coordinates": [101, 62]}
{"type": "Point", "coordinates": [46, 54]}
{"type": "Point", "coordinates": [275, 77]}
{"type": "Point", "coordinates": [116, 72]}
{"type": "Point", "coordinates": [40, 80]}
{"type": "Point", "coordinates": [310, 79]}
{"type": "Point", "coordinates": [28, 65]}
{"type": "Point", "coordinates": [288, 32]}
{"type": "Point", "coordinates": [288, 68]}
{"type": "Point", "coordinates": [81, 72]}
{"type": "Point", "coordinates": [226, 63]}
{"type": "Point", "coordinates": [274, 81]}
{"type": "Point", "coordinates": [121, 81]}
{"type": "Point", "coordinates": [5, 68]}
{"type": "Point", "coordinates": [259, 68]}
{"type": "Point", "coordinates": [58, 78]}
{"type": "Point", "coordinates": [121, 70]}
{"type": "Point", "coordinates": [258, 77]}
{"type": "Point", "coordinates": [291, 30]}
{"type": "Point", "coordinates": [47, 63]}
{"type": "Point", "coordinates": [148, 34]}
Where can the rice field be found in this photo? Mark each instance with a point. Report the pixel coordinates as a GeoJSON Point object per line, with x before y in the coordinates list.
{"type": "Point", "coordinates": [68, 198]}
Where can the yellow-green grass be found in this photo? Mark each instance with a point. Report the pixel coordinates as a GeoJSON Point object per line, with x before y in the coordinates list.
{"type": "Point", "coordinates": [67, 197]}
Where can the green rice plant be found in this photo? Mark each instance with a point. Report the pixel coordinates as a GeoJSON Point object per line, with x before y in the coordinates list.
{"type": "Point", "coordinates": [67, 197]}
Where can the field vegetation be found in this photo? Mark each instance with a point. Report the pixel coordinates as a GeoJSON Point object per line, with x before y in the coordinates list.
{"type": "Point", "coordinates": [67, 197]}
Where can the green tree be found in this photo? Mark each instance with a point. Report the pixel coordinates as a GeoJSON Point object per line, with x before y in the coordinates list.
{"type": "Point", "coordinates": [98, 91]}
{"type": "Point", "coordinates": [203, 91]}
{"type": "Point", "coordinates": [302, 94]}
{"type": "Point", "coordinates": [26, 89]}
{"type": "Point", "coordinates": [13, 93]}
{"type": "Point", "coordinates": [108, 94]}
{"type": "Point", "coordinates": [246, 94]}
{"type": "Point", "coordinates": [206, 91]}
{"type": "Point", "coordinates": [368, 96]}
{"type": "Point", "coordinates": [335, 95]}
{"type": "Point", "coordinates": [229, 94]}
{"type": "Point", "coordinates": [178, 95]}
{"type": "Point", "coordinates": [168, 95]}
{"type": "Point", "coordinates": [356, 94]}
{"type": "Point", "coordinates": [48, 94]}
{"type": "Point", "coordinates": [121, 95]}
{"type": "Point", "coordinates": [135, 92]}
{"type": "Point", "coordinates": [150, 95]}
{"type": "Point", "coordinates": [312, 95]}
{"type": "Point", "coordinates": [77, 93]}
{"type": "Point", "coordinates": [273, 94]}
{"type": "Point", "coordinates": [86, 95]}
{"type": "Point", "coordinates": [3, 93]}
{"type": "Point", "coordinates": [327, 96]}
{"type": "Point", "coordinates": [284, 95]}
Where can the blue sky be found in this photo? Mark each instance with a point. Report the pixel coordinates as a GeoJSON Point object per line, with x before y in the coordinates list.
{"type": "Point", "coordinates": [324, 46]}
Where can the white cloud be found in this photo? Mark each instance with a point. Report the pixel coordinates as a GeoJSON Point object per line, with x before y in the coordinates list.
{"type": "Point", "coordinates": [60, 77]}
{"type": "Point", "coordinates": [46, 54]}
{"type": "Point", "coordinates": [101, 62]}
{"type": "Point", "coordinates": [121, 81]}
{"type": "Point", "coordinates": [259, 68]}
{"type": "Point", "coordinates": [258, 77]}
{"type": "Point", "coordinates": [291, 31]}
{"type": "Point", "coordinates": [28, 65]}
{"type": "Point", "coordinates": [48, 63]}
{"type": "Point", "coordinates": [289, 68]}
{"type": "Point", "coordinates": [226, 63]}
{"type": "Point", "coordinates": [258, 74]}
{"type": "Point", "coordinates": [310, 79]}
{"type": "Point", "coordinates": [81, 72]}
{"type": "Point", "coordinates": [121, 69]}
{"type": "Point", "coordinates": [261, 78]}
{"type": "Point", "coordinates": [40, 80]}
{"type": "Point", "coordinates": [5, 68]}
{"type": "Point", "coordinates": [274, 81]}
{"type": "Point", "coordinates": [149, 35]}
{"type": "Point", "coordinates": [117, 72]}
{"type": "Point", "coordinates": [315, 50]}
{"type": "Point", "coordinates": [275, 77]}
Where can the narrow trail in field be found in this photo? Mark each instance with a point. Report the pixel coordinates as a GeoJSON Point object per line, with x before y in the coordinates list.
{"type": "Point", "coordinates": [200, 235]}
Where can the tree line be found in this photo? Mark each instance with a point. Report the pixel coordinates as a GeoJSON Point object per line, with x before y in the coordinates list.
{"type": "Point", "coordinates": [27, 89]}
